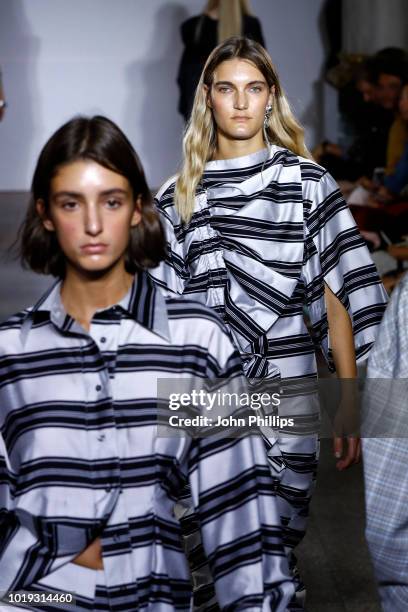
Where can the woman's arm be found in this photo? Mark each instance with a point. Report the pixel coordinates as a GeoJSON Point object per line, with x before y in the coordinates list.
{"type": "Point", "coordinates": [344, 357]}
{"type": "Point", "coordinates": [341, 334]}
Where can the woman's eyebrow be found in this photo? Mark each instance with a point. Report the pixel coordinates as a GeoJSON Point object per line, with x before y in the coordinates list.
{"type": "Point", "coordinates": [69, 194]}
{"type": "Point", "coordinates": [78, 194]}
{"type": "Point", "coordinates": [232, 84]}
{"type": "Point", "coordinates": [114, 191]}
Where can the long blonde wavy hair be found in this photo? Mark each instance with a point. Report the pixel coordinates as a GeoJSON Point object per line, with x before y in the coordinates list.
{"type": "Point", "coordinates": [200, 138]}
{"type": "Point", "coordinates": [230, 13]}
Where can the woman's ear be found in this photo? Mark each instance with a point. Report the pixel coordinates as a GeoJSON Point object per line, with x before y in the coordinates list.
{"type": "Point", "coordinates": [271, 95]}
{"type": "Point", "coordinates": [42, 213]}
{"type": "Point", "coordinates": [137, 212]}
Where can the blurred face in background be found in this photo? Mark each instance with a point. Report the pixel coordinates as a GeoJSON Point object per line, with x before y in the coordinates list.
{"type": "Point", "coordinates": [367, 90]}
{"type": "Point", "coordinates": [388, 90]}
{"type": "Point", "coordinates": [403, 103]}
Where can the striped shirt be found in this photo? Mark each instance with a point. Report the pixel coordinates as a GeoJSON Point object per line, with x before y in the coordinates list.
{"type": "Point", "coordinates": [385, 451]}
{"type": "Point", "coordinates": [268, 231]}
{"type": "Point", "coordinates": [80, 458]}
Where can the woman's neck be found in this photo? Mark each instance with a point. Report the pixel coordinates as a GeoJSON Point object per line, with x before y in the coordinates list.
{"type": "Point", "coordinates": [228, 148]}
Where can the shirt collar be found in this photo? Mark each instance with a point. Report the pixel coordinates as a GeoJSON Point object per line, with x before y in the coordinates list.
{"type": "Point", "coordinates": [244, 161]}
{"type": "Point", "coordinates": [144, 303]}
{"type": "Point", "coordinates": [147, 305]}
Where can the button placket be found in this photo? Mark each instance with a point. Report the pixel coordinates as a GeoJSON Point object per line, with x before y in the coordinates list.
{"type": "Point", "coordinates": [104, 442]}
{"type": "Point", "coordinates": [112, 339]}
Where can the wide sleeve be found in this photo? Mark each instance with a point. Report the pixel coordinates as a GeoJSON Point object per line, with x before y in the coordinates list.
{"type": "Point", "coordinates": [23, 556]}
{"type": "Point", "coordinates": [233, 504]}
{"type": "Point", "coordinates": [336, 255]}
{"type": "Point", "coordinates": [233, 495]}
{"type": "Point", "coordinates": [173, 273]}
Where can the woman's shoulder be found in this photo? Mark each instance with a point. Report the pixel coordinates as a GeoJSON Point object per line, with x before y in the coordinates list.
{"type": "Point", "coordinates": [309, 167]}
{"type": "Point", "coordinates": [188, 28]}
{"type": "Point", "coordinates": [253, 29]}
{"type": "Point", "coordinates": [15, 321]}
{"type": "Point", "coordinates": [191, 22]}
{"type": "Point", "coordinates": [10, 333]}
{"type": "Point", "coordinates": [167, 189]}
{"type": "Point", "coordinates": [251, 20]}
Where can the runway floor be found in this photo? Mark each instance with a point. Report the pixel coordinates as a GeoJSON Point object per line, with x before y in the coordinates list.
{"type": "Point", "coordinates": [333, 557]}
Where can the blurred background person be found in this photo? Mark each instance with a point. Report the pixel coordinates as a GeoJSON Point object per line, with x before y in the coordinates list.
{"type": "Point", "coordinates": [219, 20]}
{"type": "Point", "coordinates": [383, 215]}
{"type": "Point", "coordinates": [368, 104]}
{"type": "Point", "coordinates": [396, 172]}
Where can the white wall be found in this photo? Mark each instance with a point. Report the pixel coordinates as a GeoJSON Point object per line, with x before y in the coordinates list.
{"type": "Point", "coordinates": [120, 58]}
{"type": "Point", "coordinates": [371, 25]}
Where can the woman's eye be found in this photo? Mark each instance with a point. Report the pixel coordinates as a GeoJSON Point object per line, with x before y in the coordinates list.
{"type": "Point", "coordinates": [69, 205]}
{"type": "Point", "coordinates": [256, 89]}
{"type": "Point", "coordinates": [224, 89]}
{"type": "Point", "coordinates": [112, 204]}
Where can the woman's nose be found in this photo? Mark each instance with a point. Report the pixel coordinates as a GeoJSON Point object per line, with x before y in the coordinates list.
{"type": "Point", "coordinates": [93, 221]}
{"type": "Point", "coordinates": [241, 100]}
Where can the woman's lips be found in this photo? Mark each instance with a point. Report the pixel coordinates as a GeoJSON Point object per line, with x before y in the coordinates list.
{"type": "Point", "coordinates": [94, 249]}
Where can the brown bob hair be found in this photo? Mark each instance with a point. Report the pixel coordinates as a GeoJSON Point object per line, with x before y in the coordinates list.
{"type": "Point", "coordinates": [100, 140]}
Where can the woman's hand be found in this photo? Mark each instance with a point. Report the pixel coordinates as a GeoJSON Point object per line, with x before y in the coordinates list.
{"type": "Point", "coordinates": [91, 557]}
{"type": "Point", "coordinates": [346, 440]}
{"type": "Point", "coordinates": [349, 456]}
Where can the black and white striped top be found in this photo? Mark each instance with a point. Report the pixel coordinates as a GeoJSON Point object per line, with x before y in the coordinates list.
{"type": "Point", "coordinates": [268, 231]}
{"type": "Point", "coordinates": [80, 458]}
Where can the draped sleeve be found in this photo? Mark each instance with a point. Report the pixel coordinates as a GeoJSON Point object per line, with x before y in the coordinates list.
{"type": "Point", "coordinates": [232, 488]}
{"type": "Point", "coordinates": [173, 273]}
{"type": "Point", "coordinates": [336, 255]}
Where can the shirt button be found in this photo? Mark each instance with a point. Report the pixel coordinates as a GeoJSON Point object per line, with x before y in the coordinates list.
{"type": "Point", "coordinates": [103, 339]}
{"type": "Point", "coordinates": [108, 489]}
{"type": "Point", "coordinates": [98, 388]}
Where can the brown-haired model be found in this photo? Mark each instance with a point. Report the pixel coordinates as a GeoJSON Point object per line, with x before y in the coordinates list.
{"type": "Point", "coordinates": [87, 486]}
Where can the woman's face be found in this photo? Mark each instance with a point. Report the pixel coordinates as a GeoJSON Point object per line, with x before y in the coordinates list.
{"type": "Point", "coordinates": [238, 98]}
{"type": "Point", "coordinates": [91, 211]}
{"type": "Point", "coordinates": [403, 103]}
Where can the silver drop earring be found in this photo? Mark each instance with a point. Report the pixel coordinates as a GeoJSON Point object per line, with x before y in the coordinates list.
{"type": "Point", "coordinates": [268, 111]}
